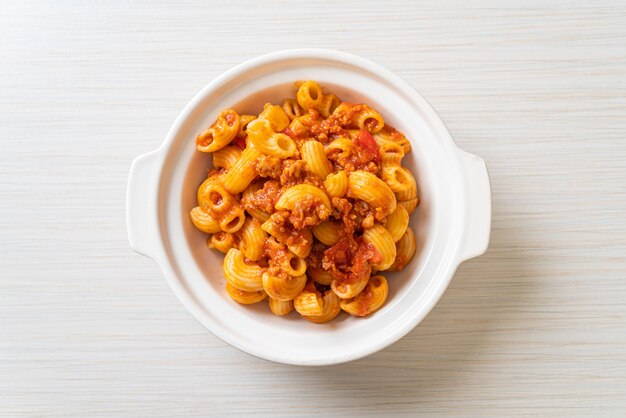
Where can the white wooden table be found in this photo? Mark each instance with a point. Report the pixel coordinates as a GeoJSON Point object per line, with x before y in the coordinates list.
{"type": "Point", "coordinates": [537, 326]}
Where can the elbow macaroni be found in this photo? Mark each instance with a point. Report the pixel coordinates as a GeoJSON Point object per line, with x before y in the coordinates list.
{"type": "Point", "coordinates": [336, 184]}
{"type": "Point", "coordinates": [247, 196]}
{"type": "Point", "coordinates": [327, 232]}
{"type": "Point", "coordinates": [361, 116]}
{"type": "Point", "coordinates": [349, 290]}
{"type": "Point", "coordinates": [241, 174]}
{"type": "Point", "coordinates": [389, 135]}
{"type": "Point", "coordinates": [410, 204]}
{"type": "Point", "coordinates": [369, 119]}
{"type": "Point", "coordinates": [244, 120]}
{"type": "Point", "coordinates": [276, 116]}
{"type": "Point", "coordinates": [269, 142]}
{"type": "Point", "coordinates": [315, 157]}
{"type": "Point", "coordinates": [369, 300]}
{"type": "Point", "coordinates": [222, 241]}
{"type": "Point", "coordinates": [306, 200]}
{"type": "Point", "coordinates": [405, 250]}
{"type": "Point", "coordinates": [253, 239]}
{"type": "Point", "coordinates": [297, 193]}
{"type": "Point", "coordinates": [398, 178]}
{"type": "Point", "coordinates": [204, 221]}
{"type": "Point", "coordinates": [245, 298]}
{"type": "Point", "coordinates": [241, 275]}
{"type": "Point", "coordinates": [226, 157]}
{"type": "Point", "coordinates": [328, 105]}
{"type": "Point", "coordinates": [283, 288]}
{"type": "Point", "coordinates": [281, 307]}
{"type": "Point", "coordinates": [397, 223]}
{"type": "Point", "coordinates": [320, 276]}
{"type": "Point", "coordinates": [218, 135]}
{"type": "Point", "coordinates": [330, 308]}
{"type": "Point", "coordinates": [309, 303]}
{"type": "Point", "coordinates": [380, 238]}
{"type": "Point", "coordinates": [367, 187]}
{"type": "Point", "coordinates": [309, 95]}
{"type": "Point", "coordinates": [298, 242]}
{"type": "Point", "coordinates": [292, 109]}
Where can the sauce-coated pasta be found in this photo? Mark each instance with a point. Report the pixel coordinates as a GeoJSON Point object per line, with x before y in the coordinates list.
{"type": "Point", "coordinates": [310, 203]}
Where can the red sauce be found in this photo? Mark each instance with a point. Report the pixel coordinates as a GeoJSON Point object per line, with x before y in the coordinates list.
{"type": "Point", "coordinates": [349, 260]}
{"type": "Point", "coordinates": [308, 212]}
{"type": "Point", "coordinates": [292, 172]}
{"type": "Point", "coordinates": [364, 301]}
{"type": "Point", "coordinates": [325, 130]}
{"type": "Point", "coordinates": [298, 237]}
{"type": "Point", "coordinates": [338, 258]}
{"type": "Point", "coordinates": [240, 142]}
{"type": "Point", "coordinates": [392, 132]}
{"type": "Point", "coordinates": [290, 133]}
{"type": "Point", "coordinates": [264, 199]}
{"type": "Point", "coordinates": [314, 260]}
{"type": "Point", "coordinates": [365, 255]}
{"type": "Point", "coordinates": [277, 255]}
{"type": "Point", "coordinates": [366, 141]}
{"type": "Point", "coordinates": [363, 156]}
{"type": "Point", "coordinates": [268, 166]}
{"type": "Point", "coordinates": [231, 118]}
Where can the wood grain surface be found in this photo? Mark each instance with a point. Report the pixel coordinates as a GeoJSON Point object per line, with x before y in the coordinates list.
{"type": "Point", "coordinates": [536, 327]}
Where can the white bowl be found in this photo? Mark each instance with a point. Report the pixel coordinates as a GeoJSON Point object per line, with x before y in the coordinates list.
{"type": "Point", "coordinates": [452, 223]}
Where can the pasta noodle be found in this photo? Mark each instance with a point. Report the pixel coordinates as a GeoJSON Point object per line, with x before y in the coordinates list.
{"type": "Point", "coordinates": [222, 241]}
{"type": "Point", "coordinates": [309, 303]}
{"type": "Point", "coordinates": [220, 133]}
{"type": "Point", "coordinates": [299, 242]}
{"type": "Point", "coordinates": [330, 308]}
{"type": "Point", "coordinates": [292, 109]}
{"type": "Point", "coordinates": [328, 105]}
{"type": "Point", "coordinates": [369, 300]}
{"type": "Point", "coordinates": [336, 184]}
{"type": "Point", "coordinates": [327, 232]}
{"type": "Point", "coordinates": [252, 239]}
{"type": "Point", "coordinates": [241, 174]}
{"type": "Point", "coordinates": [299, 192]}
{"type": "Point", "coordinates": [280, 307]}
{"type": "Point", "coordinates": [283, 288]}
{"type": "Point", "coordinates": [241, 275]}
{"type": "Point", "coordinates": [389, 135]}
{"type": "Point", "coordinates": [381, 239]}
{"type": "Point", "coordinates": [397, 223]}
{"type": "Point", "coordinates": [214, 196]}
{"type": "Point", "coordinates": [369, 119]}
{"type": "Point", "coordinates": [367, 187]}
{"type": "Point", "coordinates": [309, 95]}
{"type": "Point", "coordinates": [349, 290]}
{"type": "Point", "coordinates": [410, 204]}
{"type": "Point", "coordinates": [226, 157]}
{"type": "Point", "coordinates": [248, 196]}
{"type": "Point", "coordinates": [405, 250]}
{"type": "Point", "coordinates": [320, 276]}
{"type": "Point", "coordinates": [276, 116]}
{"type": "Point", "coordinates": [315, 157]}
{"type": "Point", "coordinates": [269, 142]}
{"type": "Point", "coordinates": [245, 298]}
{"type": "Point", "coordinates": [205, 221]}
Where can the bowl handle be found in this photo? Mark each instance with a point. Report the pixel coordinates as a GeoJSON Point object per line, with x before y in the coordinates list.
{"type": "Point", "coordinates": [141, 204]}
{"type": "Point", "coordinates": [478, 209]}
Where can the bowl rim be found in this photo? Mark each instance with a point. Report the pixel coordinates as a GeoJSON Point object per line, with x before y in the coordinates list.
{"type": "Point", "coordinates": [192, 304]}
